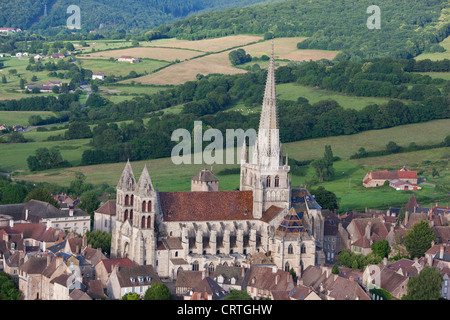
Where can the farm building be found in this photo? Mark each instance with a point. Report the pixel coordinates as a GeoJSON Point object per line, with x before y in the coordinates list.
{"type": "Point", "coordinates": [98, 75]}
{"type": "Point", "coordinates": [402, 185]}
{"type": "Point", "coordinates": [128, 59]}
{"type": "Point", "coordinates": [378, 178]}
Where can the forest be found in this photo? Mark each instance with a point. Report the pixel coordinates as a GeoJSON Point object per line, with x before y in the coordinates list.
{"type": "Point", "coordinates": [408, 27]}
{"type": "Point", "coordinates": [105, 14]}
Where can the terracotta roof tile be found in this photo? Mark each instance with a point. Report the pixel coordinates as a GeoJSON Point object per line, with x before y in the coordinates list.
{"type": "Point", "coordinates": [207, 206]}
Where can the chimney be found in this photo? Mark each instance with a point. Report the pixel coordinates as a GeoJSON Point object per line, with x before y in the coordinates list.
{"type": "Point", "coordinates": [26, 214]}
{"type": "Point", "coordinates": [71, 212]}
{"type": "Point", "coordinates": [243, 272]}
{"type": "Point", "coordinates": [203, 274]}
{"type": "Point", "coordinates": [11, 223]}
{"type": "Point", "coordinates": [441, 252]}
{"type": "Point", "coordinates": [49, 259]}
{"type": "Point", "coordinates": [274, 269]}
{"type": "Point", "coordinates": [277, 278]}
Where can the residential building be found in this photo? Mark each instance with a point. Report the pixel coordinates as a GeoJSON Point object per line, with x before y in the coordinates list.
{"type": "Point", "coordinates": [105, 216]}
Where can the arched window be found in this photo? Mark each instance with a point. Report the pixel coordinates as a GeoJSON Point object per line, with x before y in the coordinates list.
{"type": "Point", "coordinates": [287, 267]}
{"type": "Point", "coordinates": [132, 199]}
{"type": "Point", "coordinates": [144, 206]}
{"type": "Point", "coordinates": [277, 182]}
{"type": "Point", "coordinates": [290, 249]}
{"type": "Point", "coordinates": [127, 200]}
{"type": "Point", "coordinates": [149, 206]}
{"type": "Point", "coordinates": [268, 182]}
{"type": "Point", "coordinates": [149, 222]}
{"type": "Point", "coordinates": [195, 266]}
{"type": "Point", "coordinates": [211, 268]}
{"type": "Point", "coordinates": [131, 215]}
{"type": "Point", "coordinates": [143, 222]}
{"type": "Point", "coordinates": [303, 249]}
{"type": "Point", "coordinates": [125, 217]}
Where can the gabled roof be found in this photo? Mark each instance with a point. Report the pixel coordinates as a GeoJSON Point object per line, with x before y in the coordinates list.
{"type": "Point", "coordinates": [125, 275]}
{"type": "Point", "coordinates": [109, 207]}
{"type": "Point", "coordinates": [291, 224]}
{"type": "Point", "coordinates": [121, 262]}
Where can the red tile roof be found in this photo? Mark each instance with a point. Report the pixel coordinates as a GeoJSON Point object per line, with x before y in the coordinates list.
{"type": "Point", "coordinates": [207, 206]}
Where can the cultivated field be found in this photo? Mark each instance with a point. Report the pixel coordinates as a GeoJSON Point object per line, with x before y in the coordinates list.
{"type": "Point", "coordinates": [121, 68]}
{"type": "Point", "coordinates": [217, 60]}
{"type": "Point", "coordinates": [163, 54]}
{"type": "Point", "coordinates": [179, 73]}
{"type": "Point", "coordinates": [210, 45]}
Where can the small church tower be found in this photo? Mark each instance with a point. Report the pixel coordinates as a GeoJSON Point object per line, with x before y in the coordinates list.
{"type": "Point", "coordinates": [205, 180]}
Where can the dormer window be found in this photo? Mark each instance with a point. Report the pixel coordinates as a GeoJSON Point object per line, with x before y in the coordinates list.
{"type": "Point", "coordinates": [133, 280]}
{"type": "Point", "coordinates": [141, 279]}
{"type": "Point", "coordinates": [149, 279]}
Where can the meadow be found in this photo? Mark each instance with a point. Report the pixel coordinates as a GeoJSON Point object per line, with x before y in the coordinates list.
{"type": "Point", "coordinates": [293, 91]}
{"type": "Point", "coordinates": [11, 89]}
{"type": "Point", "coordinates": [11, 118]}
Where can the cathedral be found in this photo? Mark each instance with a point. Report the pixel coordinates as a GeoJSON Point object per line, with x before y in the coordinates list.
{"type": "Point", "coordinates": [266, 221]}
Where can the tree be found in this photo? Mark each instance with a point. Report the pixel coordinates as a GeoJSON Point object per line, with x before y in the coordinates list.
{"type": "Point", "coordinates": [239, 56]}
{"type": "Point", "coordinates": [328, 158]}
{"type": "Point", "coordinates": [381, 248]}
{"type": "Point", "coordinates": [4, 79]}
{"type": "Point", "coordinates": [392, 147]}
{"type": "Point", "coordinates": [435, 173]}
{"type": "Point", "coordinates": [320, 167]}
{"type": "Point", "coordinates": [427, 285]}
{"type": "Point", "coordinates": [158, 291]}
{"type": "Point", "coordinates": [13, 193]}
{"type": "Point", "coordinates": [335, 269]}
{"type": "Point", "coordinates": [326, 199]}
{"type": "Point", "coordinates": [238, 295]}
{"type": "Point", "coordinates": [130, 296]}
{"type": "Point", "coordinates": [41, 194]}
{"type": "Point", "coordinates": [8, 289]}
{"type": "Point", "coordinates": [418, 240]}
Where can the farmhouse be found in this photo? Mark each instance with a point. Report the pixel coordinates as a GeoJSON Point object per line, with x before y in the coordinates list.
{"type": "Point", "coordinates": [58, 56]}
{"type": "Point", "coordinates": [378, 178]}
{"type": "Point", "coordinates": [402, 185]}
{"type": "Point", "coordinates": [98, 75]}
{"type": "Point", "coordinates": [128, 59]}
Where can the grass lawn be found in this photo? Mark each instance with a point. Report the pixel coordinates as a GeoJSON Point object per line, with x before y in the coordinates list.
{"type": "Point", "coordinates": [292, 91]}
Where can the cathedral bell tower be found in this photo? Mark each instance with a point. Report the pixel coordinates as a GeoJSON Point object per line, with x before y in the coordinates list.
{"type": "Point", "coordinates": [265, 174]}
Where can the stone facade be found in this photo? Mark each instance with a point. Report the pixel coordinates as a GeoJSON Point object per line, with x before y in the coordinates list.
{"type": "Point", "coordinates": [266, 220]}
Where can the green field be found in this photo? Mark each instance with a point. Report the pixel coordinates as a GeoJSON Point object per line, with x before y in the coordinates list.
{"type": "Point", "coordinates": [11, 90]}
{"type": "Point", "coordinates": [292, 91]}
{"type": "Point", "coordinates": [14, 155]}
{"type": "Point", "coordinates": [121, 68]}
{"type": "Point", "coordinates": [344, 146]}
{"type": "Point", "coordinates": [11, 118]}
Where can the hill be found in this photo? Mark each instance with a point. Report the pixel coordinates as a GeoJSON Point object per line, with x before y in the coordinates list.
{"type": "Point", "coordinates": [408, 27]}
{"type": "Point", "coordinates": [107, 14]}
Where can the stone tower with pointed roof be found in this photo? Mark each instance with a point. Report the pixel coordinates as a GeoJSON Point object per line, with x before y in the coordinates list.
{"type": "Point", "coordinates": [136, 219]}
{"type": "Point", "coordinates": [265, 173]}
{"type": "Point", "coordinates": [205, 180]}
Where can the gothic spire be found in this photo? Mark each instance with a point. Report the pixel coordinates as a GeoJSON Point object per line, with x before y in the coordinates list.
{"type": "Point", "coordinates": [127, 181]}
{"type": "Point", "coordinates": [144, 185]}
{"type": "Point", "coordinates": [268, 133]}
